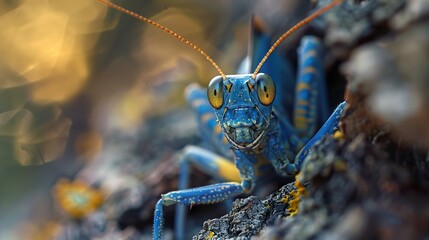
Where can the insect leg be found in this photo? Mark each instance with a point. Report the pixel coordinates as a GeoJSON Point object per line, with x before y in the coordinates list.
{"type": "Point", "coordinates": [310, 97]}
{"type": "Point", "coordinates": [202, 195]}
{"type": "Point", "coordinates": [210, 163]}
{"type": "Point", "coordinates": [210, 130]}
{"type": "Point", "coordinates": [328, 128]}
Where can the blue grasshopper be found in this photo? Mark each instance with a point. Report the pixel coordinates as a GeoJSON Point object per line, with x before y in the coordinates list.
{"type": "Point", "coordinates": [247, 113]}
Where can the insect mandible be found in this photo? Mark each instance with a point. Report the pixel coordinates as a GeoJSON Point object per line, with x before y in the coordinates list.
{"type": "Point", "coordinates": [247, 111]}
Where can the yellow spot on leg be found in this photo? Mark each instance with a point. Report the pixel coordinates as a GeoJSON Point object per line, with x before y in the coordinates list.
{"type": "Point", "coordinates": [303, 86]}
{"type": "Point", "coordinates": [217, 129]}
{"type": "Point", "coordinates": [206, 117]}
{"type": "Point", "coordinates": [198, 102]}
{"type": "Point", "coordinates": [301, 120]}
{"type": "Point", "coordinates": [300, 111]}
{"type": "Point", "coordinates": [227, 170]}
{"type": "Point", "coordinates": [311, 53]}
{"type": "Point", "coordinates": [309, 70]}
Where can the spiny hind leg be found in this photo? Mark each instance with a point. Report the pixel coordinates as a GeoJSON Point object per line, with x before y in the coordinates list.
{"type": "Point", "coordinates": [310, 97]}
{"type": "Point", "coordinates": [210, 163]}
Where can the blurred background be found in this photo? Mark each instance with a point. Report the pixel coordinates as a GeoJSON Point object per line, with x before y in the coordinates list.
{"type": "Point", "coordinates": [90, 94]}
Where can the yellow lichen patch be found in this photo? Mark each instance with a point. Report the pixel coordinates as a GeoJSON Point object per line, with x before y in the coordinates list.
{"type": "Point", "coordinates": [77, 198]}
{"type": "Point", "coordinates": [295, 196]}
{"type": "Point", "coordinates": [339, 135]}
{"type": "Point", "coordinates": [210, 235]}
{"type": "Point", "coordinates": [299, 186]}
{"type": "Point", "coordinates": [294, 203]}
{"type": "Point", "coordinates": [285, 200]}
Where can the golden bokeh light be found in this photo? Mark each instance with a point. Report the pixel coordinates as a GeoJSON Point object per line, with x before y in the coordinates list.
{"type": "Point", "coordinates": [45, 60]}
{"type": "Point", "coordinates": [48, 42]}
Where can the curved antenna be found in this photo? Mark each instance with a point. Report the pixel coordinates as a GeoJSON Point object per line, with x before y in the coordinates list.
{"type": "Point", "coordinates": [293, 29]}
{"type": "Point", "coordinates": [167, 30]}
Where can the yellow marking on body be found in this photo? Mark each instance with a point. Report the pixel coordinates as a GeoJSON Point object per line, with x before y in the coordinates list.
{"type": "Point", "coordinates": [303, 86]}
{"type": "Point", "coordinates": [197, 102]}
{"type": "Point", "coordinates": [206, 117]}
{"type": "Point", "coordinates": [311, 53]}
{"type": "Point", "coordinates": [218, 129]}
{"type": "Point", "coordinates": [310, 70]}
{"type": "Point", "coordinates": [227, 170]}
{"type": "Point", "coordinates": [224, 140]}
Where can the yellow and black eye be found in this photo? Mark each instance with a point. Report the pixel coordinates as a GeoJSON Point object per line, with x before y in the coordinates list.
{"type": "Point", "coordinates": [215, 92]}
{"type": "Point", "coordinates": [266, 89]}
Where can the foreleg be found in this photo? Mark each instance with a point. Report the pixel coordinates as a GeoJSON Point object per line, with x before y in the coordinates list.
{"type": "Point", "coordinates": [210, 163]}
{"type": "Point", "coordinates": [328, 128]}
{"type": "Point", "coordinates": [202, 195]}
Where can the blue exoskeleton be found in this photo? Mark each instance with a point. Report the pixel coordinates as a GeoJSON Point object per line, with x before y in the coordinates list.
{"type": "Point", "coordinates": [248, 113]}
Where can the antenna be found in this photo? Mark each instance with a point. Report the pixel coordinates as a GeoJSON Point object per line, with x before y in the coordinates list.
{"type": "Point", "coordinates": [167, 30]}
{"type": "Point", "coordinates": [293, 29]}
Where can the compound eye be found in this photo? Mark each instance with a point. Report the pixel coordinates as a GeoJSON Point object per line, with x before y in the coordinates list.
{"type": "Point", "coordinates": [266, 89]}
{"type": "Point", "coordinates": [215, 92]}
